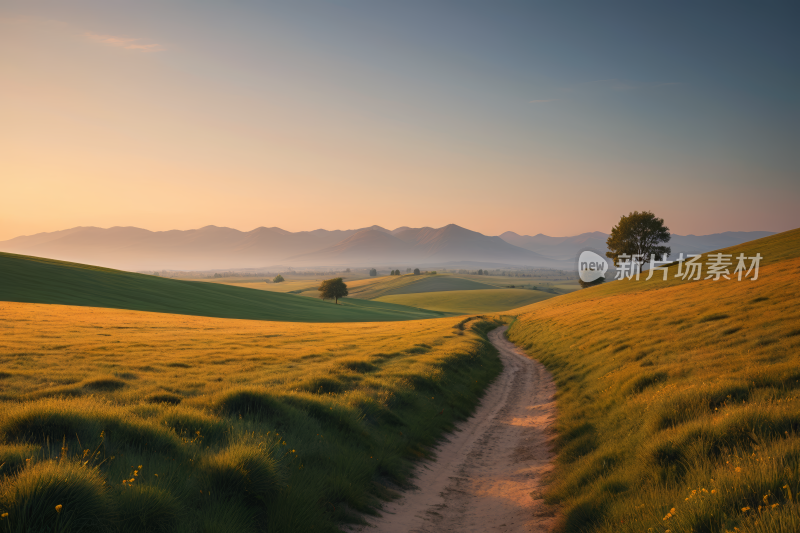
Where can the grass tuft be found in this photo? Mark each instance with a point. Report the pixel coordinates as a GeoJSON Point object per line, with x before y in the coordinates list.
{"type": "Point", "coordinates": [31, 496]}
{"type": "Point", "coordinates": [243, 471]}
{"type": "Point", "coordinates": [147, 508]}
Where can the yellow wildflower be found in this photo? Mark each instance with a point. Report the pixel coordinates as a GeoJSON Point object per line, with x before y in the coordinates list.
{"type": "Point", "coordinates": [58, 508]}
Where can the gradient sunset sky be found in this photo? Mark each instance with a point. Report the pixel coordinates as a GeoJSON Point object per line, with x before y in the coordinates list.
{"type": "Point", "coordinates": [536, 117]}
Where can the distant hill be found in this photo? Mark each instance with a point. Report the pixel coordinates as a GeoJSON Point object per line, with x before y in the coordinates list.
{"type": "Point", "coordinates": [217, 248]}
{"type": "Point", "coordinates": [421, 245]}
{"type": "Point", "coordinates": [568, 248]}
{"type": "Point", "coordinates": [206, 248]}
{"type": "Point", "coordinates": [365, 246]}
{"type": "Point", "coordinates": [36, 280]}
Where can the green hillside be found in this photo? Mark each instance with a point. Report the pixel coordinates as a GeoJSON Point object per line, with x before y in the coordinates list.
{"type": "Point", "coordinates": [470, 301]}
{"type": "Point", "coordinates": [38, 280]}
{"type": "Point", "coordinates": [411, 284]}
{"type": "Point", "coordinates": [679, 401]}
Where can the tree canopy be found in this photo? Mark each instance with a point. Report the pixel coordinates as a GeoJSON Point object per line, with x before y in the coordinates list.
{"type": "Point", "coordinates": [278, 279]}
{"type": "Point", "coordinates": [333, 289]}
{"type": "Point", "coordinates": [416, 271]}
{"type": "Point", "coordinates": [373, 272]}
{"type": "Point", "coordinates": [638, 234]}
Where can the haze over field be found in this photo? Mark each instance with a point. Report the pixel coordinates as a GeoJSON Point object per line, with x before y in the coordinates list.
{"type": "Point", "coordinates": [211, 247]}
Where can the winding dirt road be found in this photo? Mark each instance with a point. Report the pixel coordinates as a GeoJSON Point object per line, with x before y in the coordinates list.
{"type": "Point", "coordinates": [486, 477]}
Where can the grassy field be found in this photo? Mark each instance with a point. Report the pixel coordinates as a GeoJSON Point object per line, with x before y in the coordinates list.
{"type": "Point", "coordinates": [469, 302]}
{"type": "Point", "coordinates": [411, 284]}
{"type": "Point", "coordinates": [540, 280]}
{"type": "Point", "coordinates": [679, 402]}
{"type": "Point", "coordinates": [37, 280]}
{"type": "Point", "coordinates": [296, 285]}
{"type": "Point", "coordinates": [288, 286]}
{"type": "Point", "coordinates": [136, 421]}
{"type": "Point", "coordinates": [434, 291]}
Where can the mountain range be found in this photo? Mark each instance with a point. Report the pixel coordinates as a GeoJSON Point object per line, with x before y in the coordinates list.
{"type": "Point", "coordinates": [216, 248]}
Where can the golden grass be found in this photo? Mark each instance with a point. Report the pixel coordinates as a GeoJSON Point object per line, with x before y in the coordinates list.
{"type": "Point", "coordinates": [671, 389]}
{"type": "Point", "coordinates": [49, 349]}
{"type": "Point", "coordinates": [244, 424]}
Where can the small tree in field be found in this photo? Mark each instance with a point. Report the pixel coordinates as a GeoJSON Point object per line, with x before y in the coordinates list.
{"type": "Point", "coordinates": [333, 289]}
{"type": "Point", "coordinates": [638, 234]}
{"type": "Point", "coordinates": [373, 272]}
{"type": "Point", "coordinates": [480, 272]}
{"type": "Point", "coordinates": [416, 272]}
{"type": "Point", "coordinates": [278, 279]}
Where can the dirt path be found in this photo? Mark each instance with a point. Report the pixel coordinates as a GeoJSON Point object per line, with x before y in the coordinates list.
{"type": "Point", "coordinates": [484, 474]}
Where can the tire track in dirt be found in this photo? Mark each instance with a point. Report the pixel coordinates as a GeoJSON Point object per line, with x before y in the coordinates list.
{"type": "Point", "coordinates": [487, 475]}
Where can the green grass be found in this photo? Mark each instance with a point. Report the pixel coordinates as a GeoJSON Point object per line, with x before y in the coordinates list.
{"type": "Point", "coordinates": [411, 284]}
{"type": "Point", "coordinates": [679, 401]}
{"type": "Point", "coordinates": [290, 286]}
{"type": "Point", "coordinates": [470, 301]}
{"type": "Point", "coordinates": [264, 426]}
{"type": "Point", "coordinates": [543, 279]}
{"type": "Point", "coordinates": [37, 280]}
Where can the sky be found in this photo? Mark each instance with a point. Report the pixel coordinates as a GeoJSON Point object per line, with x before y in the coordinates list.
{"type": "Point", "coordinates": [550, 117]}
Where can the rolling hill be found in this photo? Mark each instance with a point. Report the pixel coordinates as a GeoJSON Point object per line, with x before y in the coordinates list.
{"type": "Point", "coordinates": [47, 281]}
{"type": "Point", "coordinates": [679, 401]}
{"type": "Point", "coordinates": [410, 284]}
{"type": "Point", "coordinates": [469, 301]}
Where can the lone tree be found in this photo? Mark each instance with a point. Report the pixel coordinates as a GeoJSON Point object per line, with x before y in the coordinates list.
{"type": "Point", "coordinates": [373, 272]}
{"type": "Point", "coordinates": [278, 279]}
{"type": "Point", "coordinates": [585, 284]}
{"type": "Point", "coordinates": [333, 289]}
{"type": "Point", "coordinates": [416, 272]}
{"type": "Point", "coordinates": [638, 234]}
